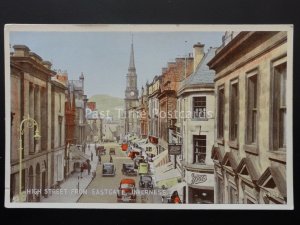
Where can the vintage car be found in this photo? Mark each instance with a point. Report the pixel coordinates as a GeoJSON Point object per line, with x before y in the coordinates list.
{"type": "Point", "coordinates": [128, 169]}
{"type": "Point", "coordinates": [133, 154]}
{"type": "Point", "coordinates": [126, 191]}
{"type": "Point", "coordinates": [146, 182]}
{"type": "Point", "coordinates": [143, 168]}
{"type": "Point", "coordinates": [137, 160]}
{"type": "Point", "coordinates": [108, 170]}
{"type": "Point", "coordinates": [112, 151]}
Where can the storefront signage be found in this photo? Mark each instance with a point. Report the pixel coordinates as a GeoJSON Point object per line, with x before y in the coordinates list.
{"type": "Point", "coordinates": [175, 149]}
{"type": "Point", "coordinates": [199, 179]}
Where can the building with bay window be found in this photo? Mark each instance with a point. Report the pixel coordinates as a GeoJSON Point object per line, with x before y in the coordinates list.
{"type": "Point", "coordinates": [195, 129]}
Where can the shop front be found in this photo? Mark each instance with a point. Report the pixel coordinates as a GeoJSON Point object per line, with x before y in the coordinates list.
{"type": "Point", "coordinates": [200, 187]}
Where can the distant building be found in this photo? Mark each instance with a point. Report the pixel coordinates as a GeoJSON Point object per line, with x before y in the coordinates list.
{"type": "Point", "coordinates": [143, 113]}
{"type": "Point", "coordinates": [131, 97]}
{"type": "Point", "coordinates": [250, 144]}
{"type": "Point", "coordinates": [76, 87]}
{"type": "Point", "coordinates": [170, 81]}
{"type": "Point", "coordinates": [153, 110]}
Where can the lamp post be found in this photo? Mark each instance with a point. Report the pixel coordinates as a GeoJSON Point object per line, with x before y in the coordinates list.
{"type": "Point", "coordinates": [29, 123]}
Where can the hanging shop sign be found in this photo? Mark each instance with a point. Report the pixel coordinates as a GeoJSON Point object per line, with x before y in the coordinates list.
{"type": "Point", "coordinates": [174, 149]}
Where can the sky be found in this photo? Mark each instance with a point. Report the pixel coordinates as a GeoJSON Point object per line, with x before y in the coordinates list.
{"type": "Point", "coordinates": [103, 57]}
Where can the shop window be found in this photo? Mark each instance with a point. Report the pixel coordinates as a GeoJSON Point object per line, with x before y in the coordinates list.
{"type": "Point", "coordinates": [199, 107]}
{"type": "Point", "coordinates": [234, 111]}
{"type": "Point", "coordinates": [220, 113]}
{"type": "Point", "coordinates": [252, 81]}
{"type": "Point", "coordinates": [199, 149]}
{"type": "Point", "coordinates": [279, 107]}
{"type": "Point", "coordinates": [220, 189]}
{"type": "Point", "coordinates": [249, 201]}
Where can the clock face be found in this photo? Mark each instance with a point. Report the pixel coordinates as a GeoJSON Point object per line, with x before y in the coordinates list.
{"type": "Point", "coordinates": [132, 93]}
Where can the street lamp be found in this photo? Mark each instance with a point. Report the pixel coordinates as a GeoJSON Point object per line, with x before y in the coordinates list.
{"type": "Point", "coordinates": [29, 123]}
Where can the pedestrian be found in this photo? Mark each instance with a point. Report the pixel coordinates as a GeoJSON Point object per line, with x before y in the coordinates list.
{"type": "Point", "coordinates": [81, 170]}
{"type": "Point", "coordinates": [99, 159]}
{"type": "Point", "coordinates": [110, 159]}
{"type": "Point", "coordinates": [89, 169]}
{"type": "Point", "coordinates": [91, 156]}
{"type": "Point", "coordinates": [175, 198]}
{"type": "Point", "coordinates": [89, 146]}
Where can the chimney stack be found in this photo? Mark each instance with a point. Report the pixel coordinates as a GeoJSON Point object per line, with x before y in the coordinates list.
{"type": "Point", "coordinates": [198, 54]}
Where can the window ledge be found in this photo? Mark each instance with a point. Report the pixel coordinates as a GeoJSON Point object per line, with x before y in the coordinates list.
{"type": "Point", "coordinates": [253, 149]}
{"type": "Point", "coordinates": [220, 141]}
{"type": "Point", "coordinates": [277, 155]}
{"type": "Point", "coordinates": [233, 144]}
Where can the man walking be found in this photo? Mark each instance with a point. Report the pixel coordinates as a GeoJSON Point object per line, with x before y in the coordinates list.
{"type": "Point", "coordinates": [99, 159]}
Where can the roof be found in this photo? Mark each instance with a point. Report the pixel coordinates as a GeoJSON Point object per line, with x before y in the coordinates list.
{"type": "Point", "coordinates": [202, 74]}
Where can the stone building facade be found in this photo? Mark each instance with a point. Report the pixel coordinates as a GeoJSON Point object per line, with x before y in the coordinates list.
{"type": "Point", "coordinates": [153, 110]}
{"type": "Point", "coordinates": [250, 145]}
{"type": "Point", "coordinates": [143, 113]}
{"type": "Point", "coordinates": [31, 95]}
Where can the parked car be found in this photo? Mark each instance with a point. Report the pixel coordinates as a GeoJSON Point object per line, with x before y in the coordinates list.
{"type": "Point", "coordinates": [137, 160]}
{"type": "Point", "coordinates": [108, 170]}
{"type": "Point", "coordinates": [126, 191]}
{"type": "Point", "coordinates": [112, 151]}
{"type": "Point", "coordinates": [143, 168]}
{"type": "Point", "coordinates": [128, 169]}
{"type": "Point", "coordinates": [133, 154]}
{"type": "Point", "coordinates": [146, 182]}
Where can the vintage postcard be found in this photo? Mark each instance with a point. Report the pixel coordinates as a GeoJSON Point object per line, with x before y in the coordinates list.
{"type": "Point", "coordinates": [149, 116]}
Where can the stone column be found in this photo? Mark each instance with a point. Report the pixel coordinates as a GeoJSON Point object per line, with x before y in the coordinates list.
{"type": "Point", "coordinates": [38, 115]}
{"type": "Point", "coordinates": [32, 115]}
{"type": "Point", "coordinates": [26, 105]}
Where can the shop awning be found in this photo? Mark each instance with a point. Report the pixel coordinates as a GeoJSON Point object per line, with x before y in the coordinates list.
{"type": "Point", "coordinates": [152, 150]}
{"type": "Point", "coordinates": [167, 176]}
{"type": "Point", "coordinates": [142, 141]}
{"type": "Point", "coordinates": [161, 159]}
{"type": "Point", "coordinates": [76, 154]}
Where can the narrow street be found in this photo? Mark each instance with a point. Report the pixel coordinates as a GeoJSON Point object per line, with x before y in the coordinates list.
{"type": "Point", "coordinates": [104, 189]}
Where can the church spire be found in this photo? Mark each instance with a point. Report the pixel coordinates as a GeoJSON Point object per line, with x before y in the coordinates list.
{"type": "Point", "coordinates": [131, 63]}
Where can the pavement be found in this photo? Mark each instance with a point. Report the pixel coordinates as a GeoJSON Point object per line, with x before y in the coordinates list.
{"type": "Point", "coordinates": [69, 191]}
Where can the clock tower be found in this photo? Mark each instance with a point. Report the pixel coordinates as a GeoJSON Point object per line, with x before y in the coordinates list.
{"type": "Point", "coordinates": [131, 92]}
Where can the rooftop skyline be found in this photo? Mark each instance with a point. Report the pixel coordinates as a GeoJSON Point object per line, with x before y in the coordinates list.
{"type": "Point", "coordinates": [103, 57]}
